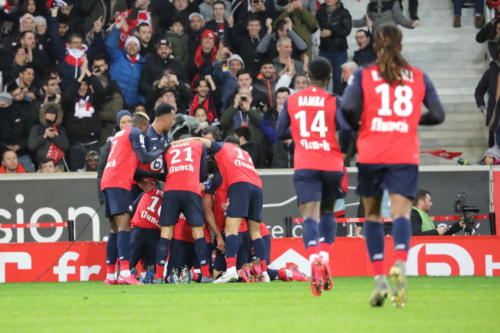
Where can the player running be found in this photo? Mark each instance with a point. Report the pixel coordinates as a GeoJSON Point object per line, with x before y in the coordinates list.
{"type": "Point", "coordinates": [127, 149]}
{"type": "Point", "coordinates": [386, 100]}
{"type": "Point", "coordinates": [311, 114]}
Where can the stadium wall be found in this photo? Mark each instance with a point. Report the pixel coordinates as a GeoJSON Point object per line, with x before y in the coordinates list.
{"type": "Point", "coordinates": [31, 198]}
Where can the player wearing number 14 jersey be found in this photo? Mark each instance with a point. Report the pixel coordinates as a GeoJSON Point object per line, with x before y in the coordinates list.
{"type": "Point", "coordinates": [311, 114]}
{"type": "Point", "coordinates": [386, 100]}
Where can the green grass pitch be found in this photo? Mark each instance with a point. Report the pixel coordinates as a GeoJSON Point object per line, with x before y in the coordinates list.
{"type": "Point", "coordinates": [436, 304]}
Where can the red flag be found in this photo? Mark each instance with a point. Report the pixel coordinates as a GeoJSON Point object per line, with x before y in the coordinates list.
{"type": "Point", "coordinates": [55, 153]}
{"type": "Point", "coordinates": [449, 155]}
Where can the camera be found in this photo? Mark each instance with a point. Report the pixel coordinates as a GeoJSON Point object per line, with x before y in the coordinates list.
{"type": "Point", "coordinates": [467, 212]}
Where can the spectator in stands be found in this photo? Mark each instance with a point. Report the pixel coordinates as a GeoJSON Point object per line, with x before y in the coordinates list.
{"type": "Point", "coordinates": [412, 8]}
{"type": "Point", "coordinates": [93, 9]}
{"type": "Point", "coordinates": [47, 165]}
{"type": "Point", "coordinates": [219, 24]}
{"type": "Point", "coordinates": [491, 156]}
{"type": "Point", "coordinates": [144, 32]}
{"type": "Point", "coordinates": [381, 12]}
{"type": "Point", "coordinates": [201, 115]}
{"type": "Point", "coordinates": [178, 42]}
{"type": "Point", "coordinates": [10, 163]}
{"type": "Point", "coordinates": [366, 53]}
{"type": "Point", "coordinates": [50, 92]}
{"type": "Point", "coordinates": [246, 44]}
{"type": "Point", "coordinates": [158, 64]}
{"type": "Point", "coordinates": [125, 65]}
{"type": "Point", "coordinates": [255, 152]}
{"type": "Point", "coordinates": [26, 80]}
{"type": "Point", "coordinates": [348, 69]}
{"type": "Point", "coordinates": [478, 13]}
{"type": "Point", "coordinates": [281, 156]}
{"type": "Point", "coordinates": [284, 58]}
{"type": "Point", "coordinates": [266, 82]}
{"type": "Point", "coordinates": [69, 56]}
{"type": "Point", "coordinates": [288, 79]}
{"type": "Point", "coordinates": [335, 23]}
{"type": "Point", "coordinates": [244, 112]}
{"type": "Point", "coordinates": [82, 101]}
{"type": "Point", "coordinates": [490, 33]}
{"type": "Point", "coordinates": [208, 9]}
{"type": "Point", "coordinates": [182, 9]}
{"type": "Point", "coordinates": [91, 161]}
{"type": "Point", "coordinates": [304, 23]}
{"type": "Point", "coordinates": [267, 46]}
{"type": "Point", "coordinates": [34, 56]}
{"type": "Point", "coordinates": [73, 16]}
{"type": "Point", "coordinates": [202, 62]}
{"type": "Point", "coordinates": [421, 222]}
{"type": "Point", "coordinates": [488, 85]}
{"type": "Point", "coordinates": [168, 88]}
{"type": "Point", "coordinates": [226, 80]}
{"type": "Point", "coordinates": [205, 97]}
{"type": "Point", "coordinates": [113, 99]}
{"type": "Point", "coordinates": [48, 132]}
{"type": "Point", "coordinates": [259, 9]}
{"type": "Point", "coordinates": [41, 32]}
{"type": "Point", "coordinates": [196, 28]}
{"type": "Point", "coordinates": [18, 119]}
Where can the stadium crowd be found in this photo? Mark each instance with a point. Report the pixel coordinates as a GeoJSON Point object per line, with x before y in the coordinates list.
{"type": "Point", "coordinates": [69, 67]}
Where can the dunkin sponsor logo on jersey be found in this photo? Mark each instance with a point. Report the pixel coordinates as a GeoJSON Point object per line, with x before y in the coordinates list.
{"type": "Point", "coordinates": [175, 158]}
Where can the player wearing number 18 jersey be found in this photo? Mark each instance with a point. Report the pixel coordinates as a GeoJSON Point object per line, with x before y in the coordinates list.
{"type": "Point", "coordinates": [386, 99]}
{"type": "Point", "coordinates": [311, 114]}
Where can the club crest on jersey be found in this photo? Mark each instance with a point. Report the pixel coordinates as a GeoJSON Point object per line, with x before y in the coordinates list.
{"type": "Point", "coordinates": [311, 101]}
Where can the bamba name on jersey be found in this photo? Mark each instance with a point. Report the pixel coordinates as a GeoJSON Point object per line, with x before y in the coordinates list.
{"type": "Point", "coordinates": [311, 101]}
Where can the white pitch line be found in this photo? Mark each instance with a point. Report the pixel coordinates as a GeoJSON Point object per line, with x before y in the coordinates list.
{"type": "Point", "coordinates": [280, 204]}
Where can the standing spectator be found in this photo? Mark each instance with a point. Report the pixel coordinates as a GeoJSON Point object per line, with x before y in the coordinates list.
{"type": "Point", "coordinates": [48, 132]}
{"type": "Point", "coordinates": [219, 24]}
{"type": "Point", "coordinates": [266, 82]}
{"type": "Point", "coordinates": [10, 163]}
{"type": "Point", "coordinates": [207, 9]}
{"type": "Point", "coordinates": [168, 90]}
{"type": "Point", "coordinates": [126, 65]}
{"type": "Point", "coordinates": [203, 59]}
{"type": "Point", "coordinates": [412, 8]}
{"type": "Point", "coordinates": [488, 85]}
{"type": "Point", "coordinates": [205, 97]}
{"type": "Point", "coordinates": [304, 23]}
{"type": "Point", "coordinates": [93, 9]}
{"type": "Point", "coordinates": [196, 28]}
{"type": "Point", "coordinates": [335, 23]}
{"type": "Point", "coordinates": [157, 65]}
{"type": "Point", "coordinates": [144, 32]}
{"type": "Point", "coordinates": [366, 53]}
{"type": "Point", "coordinates": [36, 57]}
{"type": "Point", "coordinates": [382, 12]}
{"type": "Point", "coordinates": [113, 99]}
{"type": "Point", "coordinates": [81, 102]}
{"type": "Point", "coordinates": [259, 9]}
{"type": "Point", "coordinates": [478, 13]}
{"type": "Point", "coordinates": [226, 80]}
{"type": "Point", "coordinates": [255, 152]}
{"type": "Point", "coordinates": [25, 81]}
{"type": "Point", "coordinates": [490, 33]}
{"type": "Point", "coordinates": [178, 42]}
{"type": "Point", "coordinates": [267, 46]}
{"type": "Point", "coordinates": [284, 58]}
{"type": "Point", "coordinates": [246, 44]}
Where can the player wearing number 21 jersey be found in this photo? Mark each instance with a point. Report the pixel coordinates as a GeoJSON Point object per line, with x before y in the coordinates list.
{"type": "Point", "coordinates": [312, 115]}
{"type": "Point", "coordinates": [386, 100]}
{"type": "Point", "coordinates": [185, 165]}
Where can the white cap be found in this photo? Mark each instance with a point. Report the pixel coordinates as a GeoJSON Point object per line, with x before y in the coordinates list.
{"type": "Point", "coordinates": [132, 39]}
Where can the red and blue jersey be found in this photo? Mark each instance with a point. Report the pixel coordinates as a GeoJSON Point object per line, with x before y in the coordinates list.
{"type": "Point", "coordinates": [311, 115]}
{"type": "Point", "coordinates": [185, 164]}
{"type": "Point", "coordinates": [235, 164]}
{"type": "Point", "coordinates": [147, 213]}
{"type": "Point", "coordinates": [183, 231]}
{"type": "Point", "coordinates": [390, 114]}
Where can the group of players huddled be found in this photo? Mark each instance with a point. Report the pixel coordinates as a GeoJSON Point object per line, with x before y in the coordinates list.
{"type": "Point", "coordinates": [172, 227]}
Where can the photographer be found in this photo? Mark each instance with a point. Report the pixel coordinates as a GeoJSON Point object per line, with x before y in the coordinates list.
{"type": "Point", "coordinates": [421, 222]}
{"type": "Point", "coordinates": [168, 83]}
{"type": "Point", "coordinates": [243, 113]}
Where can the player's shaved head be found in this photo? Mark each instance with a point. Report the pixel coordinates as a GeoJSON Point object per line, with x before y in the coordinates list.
{"type": "Point", "coordinates": [320, 69]}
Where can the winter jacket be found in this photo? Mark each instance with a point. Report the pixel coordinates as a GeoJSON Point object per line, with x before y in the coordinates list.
{"type": "Point", "coordinates": [40, 145]}
{"type": "Point", "coordinates": [304, 23]}
{"type": "Point", "coordinates": [155, 67]}
{"type": "Point", "coordinates": [382, 12]}
{"type": "Point", "coordinates": [487, 85]}
{"type": "Point", "coordinates": [126, 73]}
{"type": "Point", "coordinates": [180, 45]}
{"type": "Point", "coordinates": [339, 22]}
{"type": "Point", "coordinates": [226, 84]}
{"type": "Point", "coordinates": [93, 9]}
{"type": "Point", "coordinates": [81, 114]}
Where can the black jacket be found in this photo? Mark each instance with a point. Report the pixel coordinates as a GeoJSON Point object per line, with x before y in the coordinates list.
{"type": "Point", "coordinates": [487, 85]}
{"type": "Point", "coordinates": [340, 24]}
{"type": "Point", "coordinates": [154, 68]}
{"type": "Point", "coordinates": [365, 56]}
